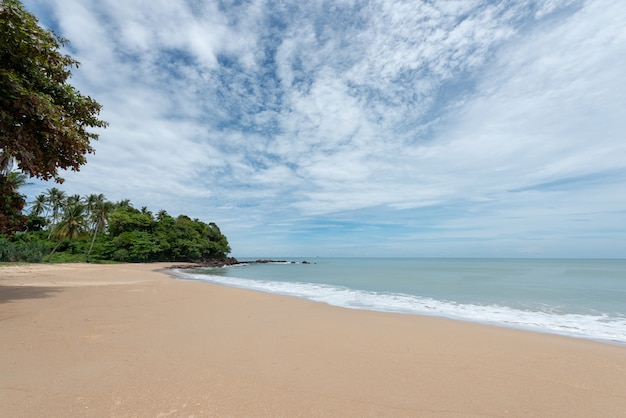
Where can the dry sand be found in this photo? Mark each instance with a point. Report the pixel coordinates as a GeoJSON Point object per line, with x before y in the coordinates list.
{"type": "Point", "coordinates": [128, 341]}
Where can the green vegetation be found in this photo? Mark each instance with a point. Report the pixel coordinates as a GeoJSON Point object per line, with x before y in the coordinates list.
{"type": "Point", "coordinates": [63, 228]}
{"type": "Point", "coordinates": [44, 120]}
{"type": "Point", "coordinates": [11, 201]}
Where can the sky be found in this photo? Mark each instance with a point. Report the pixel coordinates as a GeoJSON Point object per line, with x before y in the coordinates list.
{"type": "Point", "coordinates": [419, 128]}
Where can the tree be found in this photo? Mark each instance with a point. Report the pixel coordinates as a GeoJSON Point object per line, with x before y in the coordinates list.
{"type": "Point", "coordinates": [100, 210]}
{"type": "Point", "coordinates": [39, 205]}
{"type": "Point", "coordinates": [161, 215]}
{"type": "Point", "coordinates": [126, 218]}
{"type": "Point", "coordinates": [73, 199]}
{"type": "Point", "coordinates": [56, 198]}
{"type": "Point", "coordinates": [11, 203]}
{"type": "Point", "coordinates": [71, 225]}
{"type": "Point", "coordinates": [93, 200]}
{"type": "Point", "coordinates": [44, 121]}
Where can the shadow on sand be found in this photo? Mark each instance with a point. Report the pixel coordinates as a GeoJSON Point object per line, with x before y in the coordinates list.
{"type": "Point", "coordinates": [12, 293]}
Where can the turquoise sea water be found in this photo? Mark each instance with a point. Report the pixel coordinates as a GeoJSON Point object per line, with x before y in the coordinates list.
{"type": "Point", "coordinates": [580, 298]}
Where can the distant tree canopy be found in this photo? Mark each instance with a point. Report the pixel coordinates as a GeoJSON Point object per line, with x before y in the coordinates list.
{"type": "Point", "coordinates": [75, 228]}
{"type": "Point", "coordinates": [137, 236]}
{"type": "Point", "coordinates": [44, 121]}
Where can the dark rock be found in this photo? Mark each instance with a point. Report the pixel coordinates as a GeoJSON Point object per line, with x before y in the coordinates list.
{"type": "Point", "coordinates": [230, 261]}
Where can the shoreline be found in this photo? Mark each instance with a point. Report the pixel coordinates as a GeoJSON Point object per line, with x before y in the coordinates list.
{"type": "Point", "coordinates": [131, 340]}
{"type": "Point", "coordinates": [600, 327]}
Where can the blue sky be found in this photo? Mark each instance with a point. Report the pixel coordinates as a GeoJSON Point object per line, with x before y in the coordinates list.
{"type": "Point", "coordinates": [460, 128]}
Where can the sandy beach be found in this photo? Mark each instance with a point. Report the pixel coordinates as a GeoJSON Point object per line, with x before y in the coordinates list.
{"type": "Point", "coordinates": [131, 341]}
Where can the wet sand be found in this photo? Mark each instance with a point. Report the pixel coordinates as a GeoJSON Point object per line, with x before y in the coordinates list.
{"type": "Point", "coordinates": [130, 341]}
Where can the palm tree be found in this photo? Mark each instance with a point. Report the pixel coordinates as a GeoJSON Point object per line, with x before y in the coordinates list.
{"type": "Point", "coordinates": [73, 199]}
{"type": "Point", "coordinates": [39, 205]}
{"type": "Point", "coordinates": [56, 198]}
{"type": "Point", "coordinates": [161, 215]}
{"type": "Point", "coordinates": [124, 204]}
{"type": "Point", "coordinates": [71, 225]}
{"type": "Point", "coordinates": [145, 211]}
{"type": "Point", "coordinates": [16, 179]}
{"type": "Point", "coordinates": [92, 201]}
{"type": "Point", "coordinates": [100, 211]}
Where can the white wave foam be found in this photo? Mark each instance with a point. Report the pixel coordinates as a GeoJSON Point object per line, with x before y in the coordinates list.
{"type": "Point", "coordinates": [597, 327]}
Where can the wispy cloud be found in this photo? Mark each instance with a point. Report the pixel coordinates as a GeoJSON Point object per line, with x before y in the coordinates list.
{"type": "Point", "coordinates": [435, 128]}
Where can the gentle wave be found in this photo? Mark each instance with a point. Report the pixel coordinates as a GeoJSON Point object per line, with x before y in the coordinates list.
{"type": "Point", "coordinates": [602, 327]}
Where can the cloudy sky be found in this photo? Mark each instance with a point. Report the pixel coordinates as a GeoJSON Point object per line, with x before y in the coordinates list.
{"type": "Point", "coordinates": [427, 128]}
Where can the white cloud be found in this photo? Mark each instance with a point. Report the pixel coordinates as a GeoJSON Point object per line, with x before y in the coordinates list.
{"type": "Point", "coordinates": [549, 106]}
{"type": "Point", "coordinates": [473, 112]}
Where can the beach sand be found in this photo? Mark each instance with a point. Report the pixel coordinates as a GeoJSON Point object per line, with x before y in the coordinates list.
{"type": "Point", "coordinates": [131, 341]}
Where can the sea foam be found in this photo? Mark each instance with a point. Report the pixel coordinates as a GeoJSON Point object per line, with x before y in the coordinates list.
{"type": "Point", "coordinates": [602, 327]}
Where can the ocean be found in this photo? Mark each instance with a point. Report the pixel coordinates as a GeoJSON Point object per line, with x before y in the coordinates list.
{"type": "Point", "coordinates": [577, 298]}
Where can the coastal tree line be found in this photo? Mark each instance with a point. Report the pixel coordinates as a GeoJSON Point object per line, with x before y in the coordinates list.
{"type": "Point", "coordinates": [61, 227]}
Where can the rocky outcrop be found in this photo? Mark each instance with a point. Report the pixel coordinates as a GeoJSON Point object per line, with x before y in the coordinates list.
{"type": "Point", "coordinates": [230, 261]}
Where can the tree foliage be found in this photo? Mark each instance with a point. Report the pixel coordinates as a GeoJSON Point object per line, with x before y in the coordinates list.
{"type": "Point", "coordinates": [72, 225]}
{"type": "Point", "coordinates": [11, 203]}
{"type": "Point", "coordinates": [44, 121]}
{"type": "Point", "coordinates": [75, 228]}
{"type": "Point", "coordinates": [99, 211]}
{"type": "Point", "coordinates": [138, 236]}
